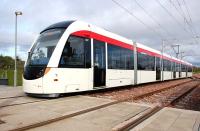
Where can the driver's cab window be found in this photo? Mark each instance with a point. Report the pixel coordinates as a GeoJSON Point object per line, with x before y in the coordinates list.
{"type": "Point", "coordinates": [76, 53]}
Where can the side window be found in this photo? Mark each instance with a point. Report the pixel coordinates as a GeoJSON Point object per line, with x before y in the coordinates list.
{"type": "Point", "coordinates": [164, 65]}
{"type": "Point", "coordinates": [146, 62]}
{"type": "Point", "coordinates": [113, 57]}
{"type": "Point", "coordinates": [129, 59]}
{"type": "Point", "coordinates": [76, 53]}
{"type": "Point", "coordinates": [126, 59]}
{"type": "Point", "coordinates": [177, 67]}
{"type": "Point", "coordinates": [167, 65]}
{"type": "Point", "coordinates": [158, 66]}
{"type": "Point", "coordinates": [173, 66]}
{"type": "Point", "coordinates": [183, 68]}
{"type": "Point", "coordinates": [99, 53]}
{"type": "Point", "coordinates": [189, 69]}
{"type": "Point", "coordinates": [120, 58]}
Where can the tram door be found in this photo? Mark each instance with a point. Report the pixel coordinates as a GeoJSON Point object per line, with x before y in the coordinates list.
{"type": "Point", "coordinates": [174, 70]}
{"type": "Point", "coordinates": [186, 71]}
{"type": "Point", "coordinates": [174, 74]}
{"type": "Point", "coordinates": [99, 63]}
{"type": "Point", "coordinates": [158, 69]}
{"type": "Point", "coordinates": [179, 74]}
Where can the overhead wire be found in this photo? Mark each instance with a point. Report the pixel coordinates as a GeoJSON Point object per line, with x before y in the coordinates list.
{"type": "Point", "coordinates": [130, 13]}
{"type": "Point", "coordinates": [187, 10]}
{"type": "Point", "coordinates": [188, 22]}
{"type": "Point", "coordinates": [168, 12]}
{"type": "Point", "coordinates": [174, 18]}
{"type": "Point", "coordinates": [154, 20]}
{"type": "Point", "coordinates": [182, 14]}
{"type": "Point", "coordinates": [138, 19]}
{"type": "Point", "coordinates": [190, 18]}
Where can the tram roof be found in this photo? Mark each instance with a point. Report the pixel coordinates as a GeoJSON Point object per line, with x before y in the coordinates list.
{"type": "Point", "coordinates": [63, 24]}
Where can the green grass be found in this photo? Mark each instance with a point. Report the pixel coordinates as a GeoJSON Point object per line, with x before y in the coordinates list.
{"type": "Point", "coordinates": [10, 76]}
{"type": "Point", "coordinates": [195, 71]}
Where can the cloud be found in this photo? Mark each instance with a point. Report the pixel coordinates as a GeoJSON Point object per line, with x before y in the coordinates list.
{"type": "Point", "coordinates": [37, 15]}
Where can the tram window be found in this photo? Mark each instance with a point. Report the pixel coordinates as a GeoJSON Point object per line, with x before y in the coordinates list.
{"type": "Point", "coordinates": [167, 65]}
{"type": "Point", "coordinates": [113, 57]}
{"type": "Point", "coordinates": [183, 68]}
{"type": "Point", "coordinates": [189, 69]}
{"type": "Point", "coordinates": [186, 68]}
{"type": "Point", "coordinates": [177, 67]}
{"type": "Point", "coordinates": [76, 53]}
{"type": "Point", "coordinates": [99, 54]}
{"type": "Point", "coordinates": [126, 59]}
{"type": "Point", "coordinates": [120, 58]}
{"type": "Point", "coordinates": [158, 62]}
{"type": "Point", "coordinates": [87, 49]}
{"type": "Point", "coordinates": [146, 62]}
{"type": "Point", "coordinates": [173, 66]}
{"type": "Point", "coordinates": [129, 59]}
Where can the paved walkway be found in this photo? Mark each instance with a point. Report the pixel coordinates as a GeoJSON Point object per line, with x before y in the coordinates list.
{"type": "Point", "coordinates": [171, 119]}
{"type": "Point", "coordinates": [22, 111]}
{"type": "Point", "coordinates": [10, 91]}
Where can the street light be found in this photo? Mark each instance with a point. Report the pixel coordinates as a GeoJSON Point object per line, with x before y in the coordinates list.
{"type": "Point", "coordinates": [15, 71]}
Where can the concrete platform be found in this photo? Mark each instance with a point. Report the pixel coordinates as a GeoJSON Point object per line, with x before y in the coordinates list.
{"type": "Point", "coordinates": [9, 91]}
{"type": "Point", "coordinates": [12, 117]}
{"type": "Point", "coordinates": [18, 100]}
{"type": "Point", "coordinates": [171, 119]}
{"type": "Point", "coordinates": [103, 119]}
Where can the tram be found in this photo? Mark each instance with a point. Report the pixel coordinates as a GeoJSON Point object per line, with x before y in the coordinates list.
{"type": "Point", "coordinates": [74, 56]}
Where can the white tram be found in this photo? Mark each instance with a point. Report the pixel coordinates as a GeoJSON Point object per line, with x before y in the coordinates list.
{"type": "Point", "coordinates": [74, 56]}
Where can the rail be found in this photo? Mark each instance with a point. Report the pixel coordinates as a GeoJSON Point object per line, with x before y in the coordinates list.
{"type": "Point", "coordinates": [131, 123]}
{"type": "Point", "coordinates": [139, 120]}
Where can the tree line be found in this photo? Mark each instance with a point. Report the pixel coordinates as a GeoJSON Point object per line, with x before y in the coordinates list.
{"type": "Point", "coordinates": [8, 63]}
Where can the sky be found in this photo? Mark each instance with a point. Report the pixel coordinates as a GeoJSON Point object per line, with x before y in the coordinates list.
{"type": "Point", "coordinates": [145, 21]}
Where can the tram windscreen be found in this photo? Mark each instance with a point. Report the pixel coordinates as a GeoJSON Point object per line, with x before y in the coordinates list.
{"type": "Point", "coordinates": [44, 47]}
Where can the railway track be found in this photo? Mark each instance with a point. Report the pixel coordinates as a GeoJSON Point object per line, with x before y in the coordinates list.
{"type": "Point", "coordinates": [12, 101]}
{"type": "Point", "coordinates": [131, 123]}
{"type": "Point", "coordinates": [12, 97]}
{"type": "Point", "coordinates": [160, 96]}
{"type": "Point", "coordinates": [159, 90]}
{"type": "Point", "coordinates": [190, 101]}
{"type": "Point", "coordinates": [8, 101]}
{"type": "Point", "coordinates": [138, 90]}
{"type": "Point", "coordinates": [18, 99]}
{"type": "Point", "coordinates": [139, 120]}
